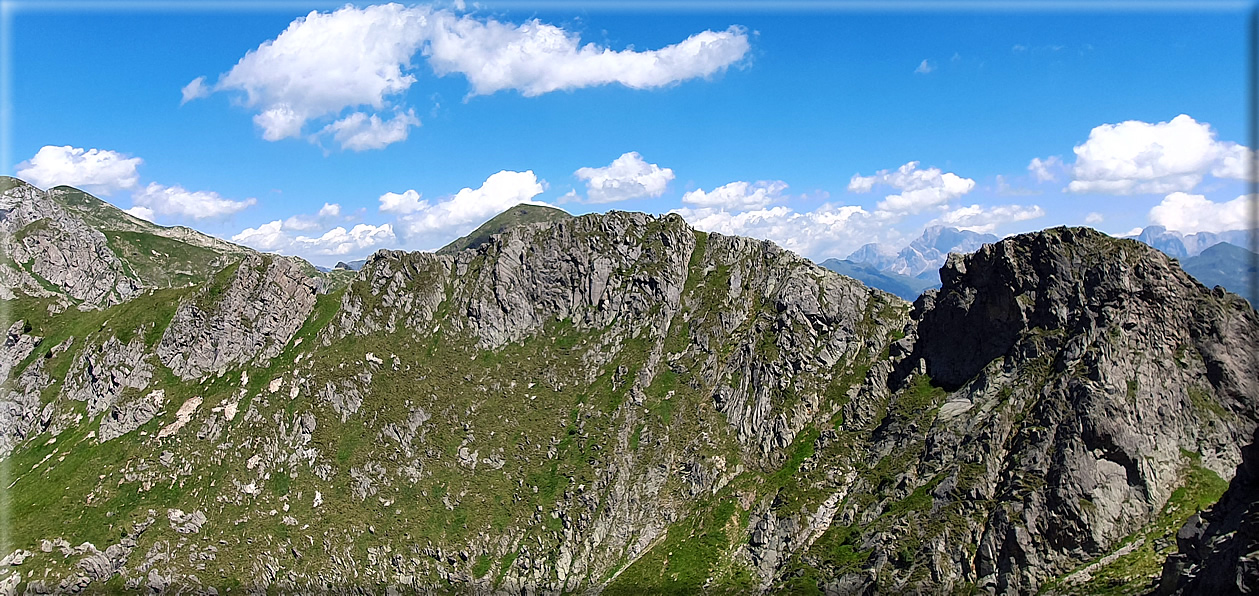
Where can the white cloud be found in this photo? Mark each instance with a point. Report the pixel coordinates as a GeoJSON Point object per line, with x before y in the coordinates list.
{"type": "Point", "coordinates": [1188, 214]}
{"type": "Point", "coordinates": [1136, 157]}
{"type": "Point", "coordinates": [338, 241]}
{"type": "Point", "coordinates": [94, 170]}
{"type": "Point", "coordinates": [361, 239]}
{"type": "Point", "coordinates": [301, 223]}
{"type": "Point", "coordinates": [737, 196]}
{"type": "Point", "coordinates": [1046, 170]}
{"type": "Point", "coordinates": [179, 202]}
{"type": "Point", "coordinates": [627, 177]}
{"type": "Point", "coordinates": [280, 122]}
{"type": "Point", "coordinates": [984, 220]}
{"type": "Point", "coordinates": [325, 63]}
{"type": "Point", "coordinates": [535, 58]}
{"type": "Point", "coordinates": [744, 209]}
{"type": "Point", "coordinates": [327, 214]}
{"type": "Point", "coordinates": [1094, 218]}
{"type": "Point", "coordinates": [830, 230]}
{"type": "Point", "coordinates": [267, 237]}
{"type": "Point", "coordinates": [407, 202]}
{"type": "Point", "coordinates": [330, 210]}
{"type": "Point", "coordinates": [358, 131]}
{"type": "Point", "coordinates": [1234, 161]}
{"type": "Point", "coordinates": [920, 189]}
{"type": "Point", "coordinates": [430, 224]}
{"type": "Point", "coordinates": [924, 68]}
{"type": "Point", "coordinates": [141, 212]}
{"type": "Point", "coordinates": [194, 90]}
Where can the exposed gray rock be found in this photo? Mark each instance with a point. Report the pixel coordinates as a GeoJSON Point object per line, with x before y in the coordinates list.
{"type": "Point", "coordinates": [61, 249]}
{"type": "Point", "coordinates": [249, 317]}
{"type": "Point", "coordinates": [130, 415]}
{"type": "Point", "coordinates": [102, 372]}
{"type": "Point", "coordinates": [1218, 551]}
{"type": "Point", "coordinates": [17, 346]}
{"type": "Point", "coordinates": [186, 523]}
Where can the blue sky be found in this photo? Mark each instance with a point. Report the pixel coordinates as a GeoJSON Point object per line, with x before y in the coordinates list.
{"type": "Point", "coordinates": [819, 129]}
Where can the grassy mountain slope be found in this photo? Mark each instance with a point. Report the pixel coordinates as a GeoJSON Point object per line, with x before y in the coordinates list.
{"type": "Point", "coordinates": [622, 402]}
{"type": "Point", "coordinates": [519, 215]}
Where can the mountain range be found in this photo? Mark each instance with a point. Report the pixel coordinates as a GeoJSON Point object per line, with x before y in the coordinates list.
{"type": "Point", "coordinates": [613, 403]}
{"type": "Point", "coordinates": [1213, 259]}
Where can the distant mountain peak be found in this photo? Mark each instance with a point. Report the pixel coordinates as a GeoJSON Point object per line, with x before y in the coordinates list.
{"type": "Point", "coordinates": [924, 254]}
{"type": "Point", "coordinates": [524, 213]}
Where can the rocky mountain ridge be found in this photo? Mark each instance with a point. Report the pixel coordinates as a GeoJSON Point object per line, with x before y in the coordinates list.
{"type": "Point", "coordinates": [620, 403]}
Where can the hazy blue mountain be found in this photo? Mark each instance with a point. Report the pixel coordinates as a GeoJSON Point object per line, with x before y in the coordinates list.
{"type": "Point", "coordinates": [925, 254]}
{"type": "Point", "coordinates": [1176, 244]}
{"type": "Point", "coordinates": [1227, 265]}
{"type": "Point", "coordinates": [901, 285]}
{"type": "Point", "coordinates": [874, 255]}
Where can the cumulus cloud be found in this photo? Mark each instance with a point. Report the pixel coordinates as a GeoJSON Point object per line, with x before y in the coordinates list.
{"type": "Point", "coordinates": [1190, 214]}
{"type": "Point", "coordinates": [920, 189]}
{"type": "Point", "coordinates": [178, 202]}
{"type": "Point", "coordinates": [1094, 218]}
{"type": "Point", "coordinates": [425, 225]}
{"type": "Point", "coordinates": [268, 237]}
{"type": "Point", "coordinates": [95, 170]}
{"type": "Point", "coordinates": [194, 90]}
{"type": "Point", "coordinates": [536, 58]}
{"type": "Point", "coordinates": [1136, 157]}
{"type": "Point", "coordinates": [406, 202]}
{"type": "Point", "coordinates": [1046, 170]}
{"type": "Point", "coordinates": [737, 196]}
{"type": "Point", "coordinates": [984, 220]}
{"type": "Point", "coordinates": [924, 67]}
{"type": "Point", "coordinates": [273, 237]}
{"type": "Point", "coordinates": [359, 132]}
{"type": "Point", "coordinates": [327, 214]}
{"type": "Point", "coordinates": [627, 177]}
{"type": "Point", "coordinates": [141, 212]}
{"type": "Point", "coordinates": [339, 241]}
{"type": "Point", "coordinates": [325, 63]}
{"type": "Point", "coordinates": [744, 209]}
{"type": "Point", "coordinates": [829, 230]}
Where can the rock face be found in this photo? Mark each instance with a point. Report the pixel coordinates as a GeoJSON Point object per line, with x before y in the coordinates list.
{"type": "Point", "coordinates": [1218, 551]}
{"type": "Point", "coordinates": [247, 317]}
{"type": "Point", "coordinates": [51, 247]}
{"type": "Point", "coordinates": [1092, 364]}
{"type": "Point", "coordinates": [620, 403]}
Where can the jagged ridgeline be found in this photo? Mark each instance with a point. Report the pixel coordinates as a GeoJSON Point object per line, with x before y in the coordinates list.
{"type": "Point", "coordinates": [614, 402]}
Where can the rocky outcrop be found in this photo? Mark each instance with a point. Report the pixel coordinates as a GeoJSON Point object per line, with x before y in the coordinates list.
{"type": "Point", "coordinates": [51, 246]}
{"type": "Point", "coordinates": [1081, 368]}
{"type": "Point", "coordinates": [128, 416]}
{"type": "Point", "coordinates": [101, 373]}
{"type": "Point", "coordinates": [1218, 551]}
{"type": "Point", "coordinates": [17, 346]}
{"type": "Point", "coordinates": [246, 314]}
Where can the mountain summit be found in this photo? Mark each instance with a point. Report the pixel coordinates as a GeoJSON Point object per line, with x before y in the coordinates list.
{"type": "Point", "coordinates": [617, 403]}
